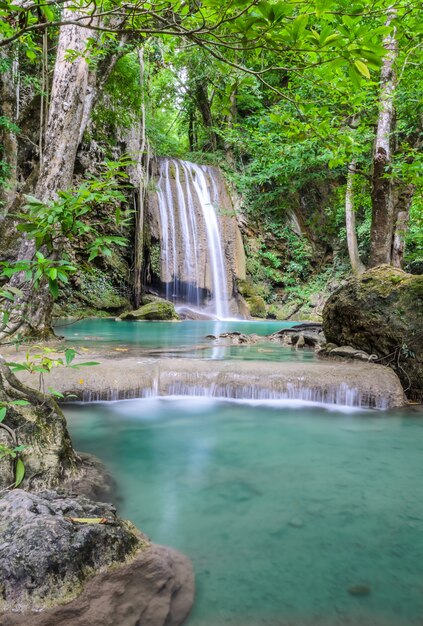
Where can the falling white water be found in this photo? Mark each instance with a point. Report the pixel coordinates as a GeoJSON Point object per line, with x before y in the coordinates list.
{"type": "Point", "coordinates": [192, 257]}
{"type": "Point", "coordinates": [340, 395]}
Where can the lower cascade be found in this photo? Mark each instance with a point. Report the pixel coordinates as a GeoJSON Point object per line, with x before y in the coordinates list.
{"type": "Point", "coordinates": [341, 395]}
{"type": "Point", "coordinates": [191, 218]}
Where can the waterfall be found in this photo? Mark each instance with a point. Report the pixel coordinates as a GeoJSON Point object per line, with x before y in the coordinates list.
{"type": "Point", "coordinates": [193, 265]}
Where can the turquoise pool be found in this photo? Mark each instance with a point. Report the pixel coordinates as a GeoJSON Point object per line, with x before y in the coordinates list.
{"type": "Point", "coordinates": [293, 514]}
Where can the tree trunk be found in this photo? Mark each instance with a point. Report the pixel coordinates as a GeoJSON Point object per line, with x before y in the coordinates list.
{"type": "Point", "coordinates": [138, 150]}
{"type": "Point", "coordinates": [9, 95]}
{"type": "Point", "coordinates": [31, 313]}
{"type": "Point", "coordinates": [382, 188]}
{"type": "Point", "coordinates": [231, 120]}
{"type": "Point", "coordinates": [205, 110]}
{"type": "Point", "coordinates": [73, 92]}
{"type": "Point", "coordinates": [356, 264]}
{"type": "Point", "coordinates": [402, 211]}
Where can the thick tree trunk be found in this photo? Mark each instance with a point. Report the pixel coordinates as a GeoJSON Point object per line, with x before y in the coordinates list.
{"type": "Point", "coordinates": [73, 93]}
{"type": "Point", "coordinates": [402, 212]}
{"type": "Point", "coordinates": [31, 313]}
{"type": "Point", "coordinates": [356, 264]}
{"type": "Point", "coordinates": [382, 188]}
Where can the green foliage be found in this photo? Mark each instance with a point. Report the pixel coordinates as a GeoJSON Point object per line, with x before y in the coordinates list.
{"type": "Point", "coordinates": [40, 360]}
{"type": "Point", "coordinates": [66, 218]}
{"type": "Point", "coordinates": [73, 216]}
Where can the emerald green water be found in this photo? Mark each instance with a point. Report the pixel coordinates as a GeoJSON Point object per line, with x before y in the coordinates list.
{"type": "Point", "coordinates": [182, 339]}
{"type": "Point", "coordinates": [282, 507]}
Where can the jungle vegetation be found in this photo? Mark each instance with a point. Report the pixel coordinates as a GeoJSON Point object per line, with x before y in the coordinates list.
{"type": "Point", "coordinates": [312, 108]}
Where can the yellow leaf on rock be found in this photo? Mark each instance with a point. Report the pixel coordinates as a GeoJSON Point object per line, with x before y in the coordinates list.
{"type": "Point", "coordinates": [87, 520]}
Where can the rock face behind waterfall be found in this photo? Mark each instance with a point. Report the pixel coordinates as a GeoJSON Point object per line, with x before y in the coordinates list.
{"type": "Point", "coordinates": [193, 241]}
{"type": "Point", "coordinates": [381, 312]}
{"type": "Point", "coordinates": [59, 566]}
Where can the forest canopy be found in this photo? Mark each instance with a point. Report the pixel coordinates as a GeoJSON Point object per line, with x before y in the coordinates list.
{"type": "Point", "coordinates": [290, 98]}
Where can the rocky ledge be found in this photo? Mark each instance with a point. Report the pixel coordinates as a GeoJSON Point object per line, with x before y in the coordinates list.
{"type": "Point", "coordinates": [351, 383]}
{"type": "Point", "coordinates": [70, 561]}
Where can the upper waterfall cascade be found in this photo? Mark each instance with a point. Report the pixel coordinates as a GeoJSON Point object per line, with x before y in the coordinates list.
{"type": "Point", "coordinates": [199, 239]}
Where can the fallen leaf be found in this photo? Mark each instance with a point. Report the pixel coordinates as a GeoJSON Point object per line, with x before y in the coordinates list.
{"type": "Point", "coordinates": [87, 520]}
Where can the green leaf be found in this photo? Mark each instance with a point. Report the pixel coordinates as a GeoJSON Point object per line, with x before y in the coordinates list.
{"type": "Point", "coordinates": [19, 472]}
{"type": "Point", "coordinates": [54, 393]}
{"type": "Point", "coordinates": [17, 367]}
{"type": "Point", "coordinates": [54, 287]}
{"type": "Point", "coordinates": [3, 411]}
{"type": "Point", "coordinates": [86, 364]}
{"type": "Point", "coordinates": [70, 354]}
{"type": "Point", "coordinates": [354, 76]}
{"type": "Point", "coordinates": [362, 68]}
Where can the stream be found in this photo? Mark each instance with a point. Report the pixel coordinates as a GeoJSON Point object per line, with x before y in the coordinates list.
{"type": "Point", "coordinates": [293, 513]}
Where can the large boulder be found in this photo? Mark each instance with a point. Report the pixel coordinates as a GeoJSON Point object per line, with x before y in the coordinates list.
{"type": "Point", "coordinates": [381, 313]}
{"type": "Point", "coordinates": [156, 310]}
{"type": "Point", "coordinates": [70, 561]}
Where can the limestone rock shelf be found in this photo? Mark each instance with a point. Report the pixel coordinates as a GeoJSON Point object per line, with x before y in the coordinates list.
{"type": "Point", "coordinates": [352, 384]}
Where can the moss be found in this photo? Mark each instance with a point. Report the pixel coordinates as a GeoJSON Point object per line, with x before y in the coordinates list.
{"type": "Point", "coordinates": [157, 310]}
{"type": "Point", "coordinates": [155, 260]}
{"type": "Point", "coordinates": [257, 306]}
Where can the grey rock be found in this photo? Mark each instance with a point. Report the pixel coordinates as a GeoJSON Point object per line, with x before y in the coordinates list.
{"type": "Point", "coordinates": [350, 353]}
{"type": "Point", "coordinates": [300, 343]}
{"type": "Point", "coordinates": [57, 571]}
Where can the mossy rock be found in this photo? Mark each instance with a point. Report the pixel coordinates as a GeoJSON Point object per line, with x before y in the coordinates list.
{"type": "Point", "coordinates": [246, 288]}
{"type": "Point", "coordinates": [380, 312]}
{"type": "Point", "coordinates": [157, 310]}
{"type": "Point", "coordinates": [257, 306]}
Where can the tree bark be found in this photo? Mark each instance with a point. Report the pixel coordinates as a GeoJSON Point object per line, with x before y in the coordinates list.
{"type": "Point", "coordinates": [382, 187]}
{"type": "Point", "coordinates": [138, 150]}
{"type": "Point", "coordinates": [205, 110]}
{"type": "Point", "coordinates": [31, 313]}
{"type": "Point", "coordinates": [402, 212]}
{"type": "Point", "coordinates": [231, 120]}
{"type": "Point", "coordinates": [356, 264]}
{"type": "Point", "coordinates": [9, 96]}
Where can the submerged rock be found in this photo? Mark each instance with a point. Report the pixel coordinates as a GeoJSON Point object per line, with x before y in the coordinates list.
{"type": "Point", "coordinates": [156, 310]}
{"type": "Point", "coordinates": [380, 313]}
{"type": "Point", "coordinates": [71, 561]}
{"type": "Point", "coordinates": [235, 338]}
{"type": "Point", "coordinates": [359, 590]}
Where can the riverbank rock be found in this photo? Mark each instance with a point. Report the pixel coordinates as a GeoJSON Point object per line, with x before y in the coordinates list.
{"type": "Point", "coordinates": [156, 310]}
{"type": "Point", "coordinates": [55, 569]}
{"type": "Point", "coordinates": [307, 334]}
{"type": "Point", "coordinates": [49, 458]}
{"type": "Point", "coordinates": [380, 313]}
